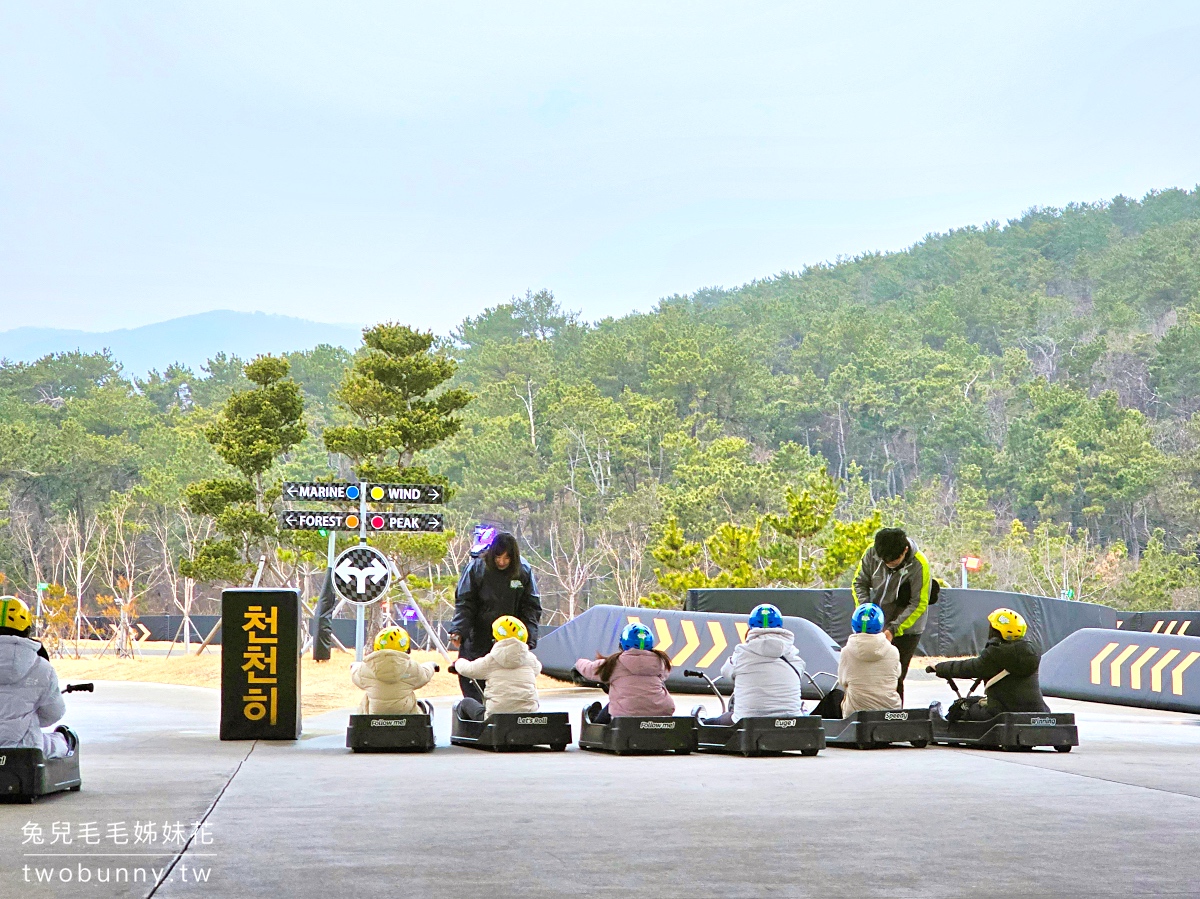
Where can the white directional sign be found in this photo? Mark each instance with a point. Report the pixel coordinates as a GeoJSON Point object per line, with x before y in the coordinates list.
{"type": "Point", "coordinates": [311, 490]}
{"type": "Point", "coordinates": [361, 574]}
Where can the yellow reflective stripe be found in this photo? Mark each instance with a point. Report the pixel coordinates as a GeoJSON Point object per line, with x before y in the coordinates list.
{"type": "Point", "coordinates": [664, 635]}
{"type": "Point", "coordinates": [1182, 629]}
{"type": "Point", "coordinates": [1100, 657]}
{"type": "Point", "coordinates": [719, 644]}
{"type": "Point", "coordinates": [1177, 673]}
{"type": "Point", "coordinates": [1135, 670]}
{"type": "Point", "coordinates": [691, 642]}
{"type": "Point", "coordinates": [742, 628]}
{"type": "Point", "coordinates": [1115, 667]}
{"type": "Point", "coordinates": [1170, 627]}
{"type": "Point", "coordinates": [923, 601]}
{"type": "Point", "coordinates": [1155, 629]}
{"type": "Point", "coordinates": [1157, 670]}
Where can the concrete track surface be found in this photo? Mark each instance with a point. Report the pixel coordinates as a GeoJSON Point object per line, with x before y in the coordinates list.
{"type": "Point", "coordinates": [1119, 816]}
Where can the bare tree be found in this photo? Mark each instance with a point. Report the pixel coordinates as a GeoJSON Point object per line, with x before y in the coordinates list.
{"type": "Point", "coordinates": [76, 541]}
{"type": "Point", "coordinates": [570, 558]}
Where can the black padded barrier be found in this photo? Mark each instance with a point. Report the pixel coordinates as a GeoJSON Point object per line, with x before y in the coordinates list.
{"type": "Point", "coordinates": [1137, 668]}
{"type": "Point", "coordinates": [692, 639]}
{"type": "Point", "coordinates": [956, 625]}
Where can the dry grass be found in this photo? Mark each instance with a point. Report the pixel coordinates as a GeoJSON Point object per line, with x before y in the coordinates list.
{"type": "Point", "coordinates": [325, 686]}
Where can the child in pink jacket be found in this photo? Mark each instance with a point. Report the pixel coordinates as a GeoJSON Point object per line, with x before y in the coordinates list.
{"type": "Point", "coordinates": [636, 676]}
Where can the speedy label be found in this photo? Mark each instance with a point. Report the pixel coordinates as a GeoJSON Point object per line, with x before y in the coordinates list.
{"type": "Point", "coordinates": [657, 725]}
{"type": "Point", "coordinates": [895, 716]}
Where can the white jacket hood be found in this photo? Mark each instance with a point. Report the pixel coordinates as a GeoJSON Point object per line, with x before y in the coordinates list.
{"type": "Point", "coordinates": [510, 653]}
{"type": "Point", "coordinates": [17, 656]}
{"type": "Point", "coordinates": [770, 642]}
{"type": "Point", "coordinates": [867, 647]}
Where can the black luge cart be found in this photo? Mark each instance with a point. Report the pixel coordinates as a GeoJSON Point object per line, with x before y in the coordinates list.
{"type": "Point", "coordinates": [771, 735]}
{"type": "Point", "coordinates": [630, 734]}
{"type": "Point", "coordinates": [26, 774]}
{"type": "Point", "coordinates": [392, 733]}
{"type": "Point", "coordinates": [1011, 731]}
{"type": "Point", "coordinates": [505, 732]}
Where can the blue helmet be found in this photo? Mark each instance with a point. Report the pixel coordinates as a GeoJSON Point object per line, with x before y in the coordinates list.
{"type": "Point", "coordinates": [765, 615]}
{"type": "Point", "coordinates": [867, 619]}
{"type": "Point", "coordinates": [637, 636]}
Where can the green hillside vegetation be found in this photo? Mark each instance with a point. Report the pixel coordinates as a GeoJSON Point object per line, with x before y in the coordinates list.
{"type": "Point", "coordinates": [1028, 393]}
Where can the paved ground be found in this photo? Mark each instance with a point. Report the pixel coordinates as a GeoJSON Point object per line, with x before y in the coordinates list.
{"type": "Point", "coordinates": [1119, 816]}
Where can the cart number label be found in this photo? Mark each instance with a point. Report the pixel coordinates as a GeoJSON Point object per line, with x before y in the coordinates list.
{"type": "Point", "coordinates": [658, 725]}
{"type": "Point", "coordinates": [785, 722]}
{"type": "Point", "coordinates": [895, 716]}
{"type": "Point", "coordinates": [3, 759]}
{"type": "Point", "coordinates": [541, 719]}
{"type": "Point", "coordinates": [1044, 722]}
{"type": "Point", "coordinates": [383, 722]}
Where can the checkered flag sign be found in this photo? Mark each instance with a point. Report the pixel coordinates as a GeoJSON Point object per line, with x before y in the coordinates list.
{"type": "Point", "coordinates": [361, 574]}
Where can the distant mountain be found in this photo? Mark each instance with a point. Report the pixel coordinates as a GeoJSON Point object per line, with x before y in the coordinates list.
{"type": "Point", "coordinates": [190, 340]}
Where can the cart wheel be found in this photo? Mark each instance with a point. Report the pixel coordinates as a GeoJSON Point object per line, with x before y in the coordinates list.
{"type": "Point", "coordinates": [809, 751]}
{"type": "Point", "coordinates": [919, 744]}
{"type": "Point", "coordinates": [1063, 748]}
{"type": "Point", "coordinates": [864, 745]}
{"type": "Point", "coordinates": [78, 787]}
{"type": "Point", "coordinates": [558, 747]}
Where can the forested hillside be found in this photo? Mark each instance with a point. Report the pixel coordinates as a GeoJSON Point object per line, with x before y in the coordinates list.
{"type": "Point", "coordinates": [1028, 393]}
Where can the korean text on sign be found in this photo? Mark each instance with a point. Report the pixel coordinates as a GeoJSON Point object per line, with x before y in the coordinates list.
{"type": "Point", "coordinates": [261, 698]}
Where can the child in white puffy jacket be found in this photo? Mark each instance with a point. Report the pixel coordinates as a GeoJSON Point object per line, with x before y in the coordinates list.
{"type": "Point", "coordinates": [389, 677]}
{"type": "Point", "coordinates": [29, 694]}
{"type": "Point", "coordinates": [508, 672]}
{"type": "Point", "coordinates": [766, 670]}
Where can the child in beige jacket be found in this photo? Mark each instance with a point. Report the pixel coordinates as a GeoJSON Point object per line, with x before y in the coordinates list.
{"type": "Point", "coordinates": [869, 667]}
{"type": "Point", "coordinates": [390, 677]}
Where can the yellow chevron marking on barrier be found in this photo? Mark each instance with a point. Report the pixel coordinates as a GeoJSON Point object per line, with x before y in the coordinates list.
{"type": "Point", "coordinates": [664, 634]}
{"type": "Point", "coordinates": [690, 645]}
{"type": "Point", "coordinates": [1157, 625]}
{"type": "Point", "coordinates": [1170, 627]}
{"type": "Point", "coordinates": [1135, 670]}
{"type": "Point", "coordinates": [1157, 670]}
{"type": "Point", "coordinates": [1177, 673]}
{"type": "Point", "coordinates": [1182, 629]}
{"type": "Point", "coordinates": [1104, 653]}
{"type": "Point", "coordinates": [1115, 668]}
{"type": "Point", "coordinates": [718, 647]}
{"type": "Point", "coordinates": [633, 619]}
{"type": "Point", "coordinates": [742, 627]}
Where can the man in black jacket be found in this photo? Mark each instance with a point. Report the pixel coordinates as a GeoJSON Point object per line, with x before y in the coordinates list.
{"type": "Point", "coordinates": [497, 583]}
{"type": "Point", "coordinates": [1008, 666]}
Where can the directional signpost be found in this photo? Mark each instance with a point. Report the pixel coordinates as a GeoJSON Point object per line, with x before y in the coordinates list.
{"type": "Point", "coordinates": [361, 574]}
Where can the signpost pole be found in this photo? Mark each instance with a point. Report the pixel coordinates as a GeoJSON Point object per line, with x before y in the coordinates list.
{"type": "Point", "coordinates": [360, 613]}
{"type": "Point", "coordinates": [964, 574]}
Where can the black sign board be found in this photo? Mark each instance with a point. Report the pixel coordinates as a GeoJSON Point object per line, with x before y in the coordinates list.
{"type": "Point", "coordinates": [260, 664]}
{"type": "Point", "coordinates": [304, 520]}
{"type": "Point", "coordinates": [404, 522]}
{"type": "Point", "coordinates": [312, 490]}
{"type": "Point", "coordinates": [427, 494]}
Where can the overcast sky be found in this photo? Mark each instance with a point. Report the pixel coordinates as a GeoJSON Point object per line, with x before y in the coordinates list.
{"type": "Point", "coordinates": [357, 161]}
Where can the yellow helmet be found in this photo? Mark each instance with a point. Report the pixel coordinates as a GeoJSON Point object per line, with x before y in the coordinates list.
{"type": "Point", "coordinates": [393, 638]}
{"type": "Point", "coordinates": [507, 626]}
{"type": "Point", "coordinates": [15, 614]}
{"type": "Point", "coordinates": [1009, 623]}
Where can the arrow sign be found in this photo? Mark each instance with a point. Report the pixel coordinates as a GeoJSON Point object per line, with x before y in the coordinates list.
{"type": "Point", "coordinates": [361, 574]}
{"type": "Point", "coordinates": [425, 494]}
{"type": "Point", "coordinates": [314, 490]}
{"type": "Point", "coordinates": [410, 523]}
{"type": "Point", "coordinates": [302, 520]}
{"type": "Point", "coordinates": [145, 633]}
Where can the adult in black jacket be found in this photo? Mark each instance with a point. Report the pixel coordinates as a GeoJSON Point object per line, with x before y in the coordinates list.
{"type": "Point", "coordinates": [1008, 666]}
{"type": "Point", "coordinates": [497, 583]}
